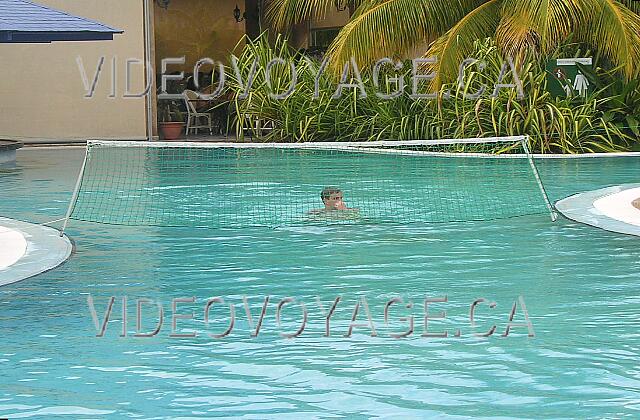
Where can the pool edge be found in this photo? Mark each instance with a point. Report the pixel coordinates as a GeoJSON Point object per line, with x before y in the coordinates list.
{"type": "Point", "coordinates": [46, 250]}
{"type": "Point", "coordinates": [580, 208]}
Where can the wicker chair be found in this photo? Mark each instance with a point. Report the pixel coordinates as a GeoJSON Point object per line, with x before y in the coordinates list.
{"type": "Point", "coordinates": [196, 119]}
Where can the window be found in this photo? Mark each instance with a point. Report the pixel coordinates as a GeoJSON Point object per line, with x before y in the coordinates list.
{"type": "Point", "coordinates": [322, 38]}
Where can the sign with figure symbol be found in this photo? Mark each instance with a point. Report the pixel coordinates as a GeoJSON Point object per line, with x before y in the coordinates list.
{"type": "Point", "coordinates": [564, 77]}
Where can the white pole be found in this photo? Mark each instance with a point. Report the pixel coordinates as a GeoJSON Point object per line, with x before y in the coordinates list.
{"type": "Point", "coordinates": [76, 191]}
{"type": "Point", "coordinates": [147, 7]}
{"type": "Point", "coordinates": [525, 146]}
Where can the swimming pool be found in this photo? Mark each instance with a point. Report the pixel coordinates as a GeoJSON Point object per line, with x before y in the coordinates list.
{"type": "Point", "coordinates": [581, 287]}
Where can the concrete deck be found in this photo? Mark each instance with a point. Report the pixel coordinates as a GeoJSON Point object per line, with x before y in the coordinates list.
{"type": "Point", "coordinates": [620, 206]}
{"type": "Point", "coordinates": [27, 250]}
{"type": "Point", "coordinates": [616, 209]}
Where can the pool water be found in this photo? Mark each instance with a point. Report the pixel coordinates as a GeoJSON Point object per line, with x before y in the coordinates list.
{"type": "Point", "coordinates": [581, 287]}
{"type": "Point", "coordinates": [216, 187]}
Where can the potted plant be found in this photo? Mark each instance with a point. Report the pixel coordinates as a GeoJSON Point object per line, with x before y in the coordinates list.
{"type": "Point", "coordinates": [172, 121]}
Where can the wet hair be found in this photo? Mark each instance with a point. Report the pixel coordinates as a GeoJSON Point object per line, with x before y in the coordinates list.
{"type": "Point", "coordinates": [327, 191]}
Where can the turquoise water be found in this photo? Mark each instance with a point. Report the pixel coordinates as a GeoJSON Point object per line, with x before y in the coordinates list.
{"type": "Point", "coordinates": [581, 287]}
{"type": "Point", "coordinates": [226, 187]}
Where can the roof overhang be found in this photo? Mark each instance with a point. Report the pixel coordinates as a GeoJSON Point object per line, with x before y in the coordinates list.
{"type": "Point", "coordinates": [51, 36]}
{"type": "Point", "coordinates": [22, 21]}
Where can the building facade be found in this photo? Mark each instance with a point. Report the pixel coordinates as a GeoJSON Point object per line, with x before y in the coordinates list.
{"type": "Point", "coordinates": [74, 91]}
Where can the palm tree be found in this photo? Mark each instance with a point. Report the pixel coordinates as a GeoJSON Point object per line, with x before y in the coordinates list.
{"type": "Point", "coordinates": [448, 28]}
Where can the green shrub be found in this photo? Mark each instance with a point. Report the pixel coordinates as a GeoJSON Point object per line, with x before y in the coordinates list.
{"type": "Point", "coordinates": [602, 122]}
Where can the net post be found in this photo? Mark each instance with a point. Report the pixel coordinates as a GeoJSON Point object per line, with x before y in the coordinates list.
{"type": "Point", "coordinates": [525, 145]}
{"type": "Point", "coordinates": [76, 191]}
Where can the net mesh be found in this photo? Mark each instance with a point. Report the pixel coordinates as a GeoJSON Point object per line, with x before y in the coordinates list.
{"type": "Point", "coordinates": [231, 185]}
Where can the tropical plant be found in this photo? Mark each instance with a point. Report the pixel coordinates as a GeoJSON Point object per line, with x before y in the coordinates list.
{"type": "Point", "coordinates": [555, 125]}
{"type": "Point", "coordinates": [170, 110]}
{"type": "Point", "coordinates": [393, 28]}
{"type": "Point", "coordinates": [623, 106]}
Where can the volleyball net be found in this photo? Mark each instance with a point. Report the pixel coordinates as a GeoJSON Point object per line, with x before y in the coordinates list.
{"type": "Point", "coordinates": [277, 184]}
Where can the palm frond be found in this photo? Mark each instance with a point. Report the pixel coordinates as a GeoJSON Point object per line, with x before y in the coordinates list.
{"type": "Point", "coordinates": [391, 28]}
{"type": "Point", "coordinates": [615, 31]}
{"type": "Point", "coordinates": [538, 25]}
{"type": "Point", "coordinates": [458, 43]}
{"type": "Point", "coordinates": [284, 13]}
{"type": "Point", "coordinates": [633, 5]}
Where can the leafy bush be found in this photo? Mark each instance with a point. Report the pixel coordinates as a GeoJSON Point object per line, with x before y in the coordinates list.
{"type": "Point", "coordinates": [604, 121]}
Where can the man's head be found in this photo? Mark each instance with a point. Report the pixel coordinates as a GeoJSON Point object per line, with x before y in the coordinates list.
{"type": "Point", "coordinates": [332, 198]}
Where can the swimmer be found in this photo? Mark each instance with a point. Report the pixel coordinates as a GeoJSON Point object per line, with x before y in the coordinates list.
{"type": "Point", "coordinates": [333, 200]}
